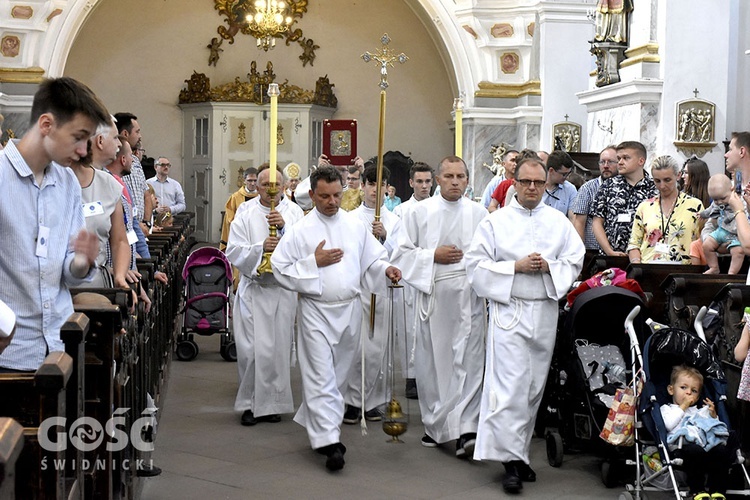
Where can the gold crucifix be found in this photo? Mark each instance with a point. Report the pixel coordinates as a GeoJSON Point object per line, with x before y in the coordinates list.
{"type": "Point", "coordinates": [385, 57]}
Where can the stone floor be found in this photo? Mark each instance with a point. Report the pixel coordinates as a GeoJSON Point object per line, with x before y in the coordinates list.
{"type": "Point", "coordinates": [206, 454]}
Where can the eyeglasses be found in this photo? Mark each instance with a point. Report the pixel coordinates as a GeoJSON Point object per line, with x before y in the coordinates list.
{"type": "Point", "coordinates": [607, 162]}
{"type": "Point", "coordinates": [163, 164]}
{"type": "Point", "coordinates": [564, 174]}
{"type": "Point", "coordinates": [528, 183]}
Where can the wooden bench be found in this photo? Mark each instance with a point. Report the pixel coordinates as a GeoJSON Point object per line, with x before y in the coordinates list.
{"type": "Point", "coordinates": [34, 399]}
{"type": "Point", "coordinates": [687, 293]}
{"type": "Point", "coordinates": [11, 444]}
{"type": "Point", "coordinates": [650, 277]}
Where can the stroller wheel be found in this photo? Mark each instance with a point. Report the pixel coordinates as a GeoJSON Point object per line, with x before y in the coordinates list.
{"type": "Point", "coordinates": [626, 495]}
{"type": "Point", "coordinates": [187, 350]}
{"type": "Point", "coordinates": [609, 474]}
{"type": "Point", "coordinates": [229, 351]}
{"type": "Point", "coordinates": [554, 448]}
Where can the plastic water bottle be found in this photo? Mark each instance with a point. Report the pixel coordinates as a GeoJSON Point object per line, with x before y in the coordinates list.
{"type": "Point", "coordinates": [615, 373]}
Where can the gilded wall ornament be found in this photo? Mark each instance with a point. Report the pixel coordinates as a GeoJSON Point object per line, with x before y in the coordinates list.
{"type": "Point", "coordinates": [279, 134]}
{"type": "Point", "coordinates": [470, 31]}
{"type": "Point", "coordinates": [567, 136]}
{"type": "Point", "coordinates": [255, 89]}
{"type": "Point", "coordinates": [241, 137]}
{"type": "Point", "coordinates": [235, 13]}
{"type": "Point", "coordinates": [694, 126]}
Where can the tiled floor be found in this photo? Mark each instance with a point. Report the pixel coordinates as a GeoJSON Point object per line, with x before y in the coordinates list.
{"type": "Point", "coordinates": [206, 454]}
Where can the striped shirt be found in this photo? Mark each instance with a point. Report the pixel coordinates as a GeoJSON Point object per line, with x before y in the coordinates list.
{"type": "Point", "coordinates": [35, 286]}
{"type": "Point", "coordinates": [136, 182]}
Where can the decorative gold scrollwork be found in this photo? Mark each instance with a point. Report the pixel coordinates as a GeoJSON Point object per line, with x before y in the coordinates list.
{"type": "Point", "coordinates": [235, 13]}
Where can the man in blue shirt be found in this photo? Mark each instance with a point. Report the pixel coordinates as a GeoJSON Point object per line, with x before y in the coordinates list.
{"type": "Point", "coordinates": [558, 192]}
{"type": "Point", "coordinates": [44, 246]}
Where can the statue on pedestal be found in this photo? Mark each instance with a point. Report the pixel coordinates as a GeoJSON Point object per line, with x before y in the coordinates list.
{"type": "Point", "coordinates": [610, 39]}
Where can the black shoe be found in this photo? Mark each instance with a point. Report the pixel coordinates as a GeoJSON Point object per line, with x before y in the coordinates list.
{"type": "Point", "coordinates": [411, 389]}
{"type": "Point", "coordinates": [272, 419]}
{"type": "Point", "coordinates": [352, 415]}
{"type": "Point", "coordinates": [525, 472]}
{"type": "Point", "coordinates": [511, 481]}
{"type": "Point", "coordinates": [248, 418]}
{"type": "Point", "coordinates": [148, 472]}
{"type": "Point", "coordinates": [465, 445]}
{"type": "Point", "coordinates": [335, 453]}
{"type": "Point", "coordinates": [373, 415]}
{"type": "Point", "coordinates": [428, 442]}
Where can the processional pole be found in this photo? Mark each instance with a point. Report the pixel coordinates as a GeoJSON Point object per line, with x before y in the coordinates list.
{"type": "Point", "coordinates": [393, 424]}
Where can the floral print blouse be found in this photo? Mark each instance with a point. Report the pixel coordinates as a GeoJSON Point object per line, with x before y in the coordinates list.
{"type": "Point", "coordinates": [666, 237]}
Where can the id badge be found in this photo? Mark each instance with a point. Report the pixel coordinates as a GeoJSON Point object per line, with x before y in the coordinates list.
{"type": "Point", "coordinates": [623, 217]}
{"type": "Point", "coordinates": [662, 248]}
{"type": "Point", "coordinates": [132, 237]}
{"type": "Point", "coordinates": [91, 209]}
{"type": "Point", "coordinates": [42, 241]}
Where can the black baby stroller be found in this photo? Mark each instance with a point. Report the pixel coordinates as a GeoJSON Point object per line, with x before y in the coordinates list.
{"type": "Point", "coordinates": [664, 349]}
{"type": "Point", "coordinates": [591, 360]}
{"type": "Point", "coordinates": [208, 276]}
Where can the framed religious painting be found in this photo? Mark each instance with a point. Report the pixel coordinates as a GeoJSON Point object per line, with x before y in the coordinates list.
{"type": "Point", "coordinates": [340, 141]}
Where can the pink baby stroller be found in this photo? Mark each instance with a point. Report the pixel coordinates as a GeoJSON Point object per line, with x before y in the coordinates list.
{"type": "Point", "coordinates": [207, 275]}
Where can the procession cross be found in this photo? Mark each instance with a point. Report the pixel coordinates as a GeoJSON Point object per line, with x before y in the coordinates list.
{"type": "Point", "coordinates": [385, 57]}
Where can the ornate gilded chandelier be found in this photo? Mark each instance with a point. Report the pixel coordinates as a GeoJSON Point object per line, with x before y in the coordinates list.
{"type": "Point", "coordinates": [268, 22]}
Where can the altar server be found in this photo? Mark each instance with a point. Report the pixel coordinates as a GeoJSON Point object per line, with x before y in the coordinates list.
{"type": "Point", "coordinates": [329, 257]}
{"type": "Point", "coordinates": [263, 311]}
{"type": "Point", "coordinates": [451, 318]}
{"type": "Point", "coordinates": [524, 258]}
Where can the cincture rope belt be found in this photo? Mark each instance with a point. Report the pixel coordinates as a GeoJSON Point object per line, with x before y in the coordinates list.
{"type": "Point", "coordinates": [424, 314]}
{"type": "Point", "coordinates": [495, 316]}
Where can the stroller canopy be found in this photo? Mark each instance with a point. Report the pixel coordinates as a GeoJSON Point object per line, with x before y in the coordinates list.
{"type": "Point", "coordinates": [206, 256]}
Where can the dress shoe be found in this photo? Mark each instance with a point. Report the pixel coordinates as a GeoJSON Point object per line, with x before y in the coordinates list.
{"type": "Point", "coordinates": [335, 453]}
{"type": "Point", "coordinates": [374, 415]}
{"type": "Point", "coordinates": [352, 415]}
{"type": "Point", "coordinates": [511, 481]}
{"type": "Point", "coordinates": [428, 442]}
{"type": "Point", "coordinates": [248, 418]}
{"type": "Point", "coordinates": [272, 419]}
{"type": "Point", "coordinates": [148, 471]}
{"type": "Point", "coordinates": [465, 445]}
{"type": "Point", "coordinates": [525, 472]}
{"type": "Point", "coordinates": [411, 389]}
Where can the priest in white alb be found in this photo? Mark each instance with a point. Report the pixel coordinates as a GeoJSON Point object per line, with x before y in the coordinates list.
{"type": "Point", "coordinates": [420, 179]}
{"type": "Point", "coordinates": [263, 313]}
{"type": "Point", "coordinates": [329, 257]}
{"type": "Point", "coordinates": [451, 323]}
{"type": "Point", "coordinates": [523, 259]}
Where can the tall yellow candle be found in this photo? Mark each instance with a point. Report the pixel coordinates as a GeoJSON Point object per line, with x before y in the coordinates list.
{"type": "Point", "coordinates": [458, 107]}
{"type": "Point", "coordinates": [273, 93]}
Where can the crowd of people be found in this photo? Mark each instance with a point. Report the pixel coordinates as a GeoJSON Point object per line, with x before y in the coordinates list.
{"type": "Point", "coordinates": [77, 213]}
{"type": "Point", "coordinates": [481, 280]}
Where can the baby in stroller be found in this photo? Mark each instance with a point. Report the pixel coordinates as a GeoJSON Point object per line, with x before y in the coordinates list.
{"type": "Point", "coordinates": [696, 435]}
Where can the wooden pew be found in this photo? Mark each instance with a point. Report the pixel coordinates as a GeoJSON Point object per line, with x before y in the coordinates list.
{"type": "Point", "coordinates": [33, 399]}
{"type": "Point", "coordinates": [733, 299]}
{"type": "Point", "coordinates": [650, 277]}
{"type": "Point", "coordinates": [687, 293]}
{"type": "Point", "coordinates": [602, 262]}
{"type": "Point", "coordinates": [104, 373]}
{"type": "Point", "coordinates": [11, 444]}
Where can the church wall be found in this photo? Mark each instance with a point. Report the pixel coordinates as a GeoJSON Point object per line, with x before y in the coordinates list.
{"type": "Point", "coordinates": [695, 51]}
{"type": "Point", "coordinates": [565, 66]}
{"type": "Point", "coordinates": [136, 55]}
